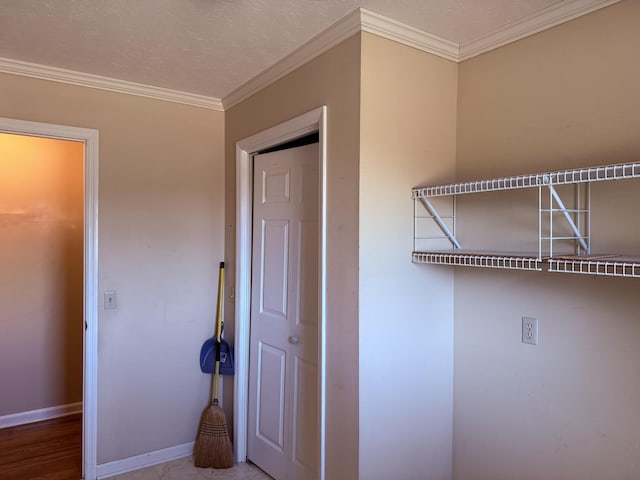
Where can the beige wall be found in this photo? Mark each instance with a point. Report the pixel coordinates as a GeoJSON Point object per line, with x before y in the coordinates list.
{"type": "Point", "coordinates": [566, 408]}
{"type": "Point", "coordinates": [332, 79]}
{"type": "Point", "coordinates": [41, 234]}
{"type": "Point", "coordinates": [408, 128]}
{"type": "Point", "coordinates": [563, 98]}
{"type": "Point", "coordinates": [161, 194]}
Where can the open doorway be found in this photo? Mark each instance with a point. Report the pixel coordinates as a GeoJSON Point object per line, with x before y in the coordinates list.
{"type": "Point", "coordinates": [48, 284]}
{"type": "Point", "coordinates": [41, 289]}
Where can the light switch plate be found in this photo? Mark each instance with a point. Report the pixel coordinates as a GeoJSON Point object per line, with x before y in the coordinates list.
{"type": "Point", "coordinates": [110, 300]}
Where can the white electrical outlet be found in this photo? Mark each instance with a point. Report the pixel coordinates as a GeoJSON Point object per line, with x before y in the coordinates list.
{"type": "Point", "coordinates": [530, 330]}
{"type": "Point", "coordinates": [110, 300]}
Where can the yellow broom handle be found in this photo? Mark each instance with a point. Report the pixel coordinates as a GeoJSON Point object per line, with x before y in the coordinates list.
{"type": "Point", "coordinates": [218, 331]}
{"type": "Point", "coordinates": [220, 300]}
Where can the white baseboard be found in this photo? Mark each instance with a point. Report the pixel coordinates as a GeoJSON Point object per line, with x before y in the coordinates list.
{"type": "Point", "coordinates": [32, 416]}
{"type": "Point", "coordinates": [125, 465]}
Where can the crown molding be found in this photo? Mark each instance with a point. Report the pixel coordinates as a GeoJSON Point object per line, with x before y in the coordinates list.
{"type": "Point", "coordinates": [44, 72]}
{"type": "Point", "coordinates": [390, 29]}
{"type": "Point", "coordinates": [363, 20]}
{"type": "Point", "coordinates": [359, 20]}
{"type": "Point", "coordinates": [549, 17]}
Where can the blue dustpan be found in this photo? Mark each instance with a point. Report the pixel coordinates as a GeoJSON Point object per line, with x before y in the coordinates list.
{"type": "Point", "coordinates": [208, 357]}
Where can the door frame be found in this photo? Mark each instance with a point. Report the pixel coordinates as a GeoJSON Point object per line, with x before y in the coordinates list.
{"type": "Point", "coordinates": [310, 122]}
{"type": "Point", "coordinates": [90, 291]}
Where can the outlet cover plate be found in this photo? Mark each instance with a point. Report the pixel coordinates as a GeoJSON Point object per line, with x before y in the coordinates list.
{"type": "Point", "coordinates": [530, 330]}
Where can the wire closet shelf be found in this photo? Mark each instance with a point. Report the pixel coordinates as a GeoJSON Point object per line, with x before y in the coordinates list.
{"type": "Point", "coordinates": [577, 218]}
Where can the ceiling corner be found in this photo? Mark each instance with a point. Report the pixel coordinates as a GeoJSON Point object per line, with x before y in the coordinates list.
{"type": "Point", "coordinates": [344, 28]}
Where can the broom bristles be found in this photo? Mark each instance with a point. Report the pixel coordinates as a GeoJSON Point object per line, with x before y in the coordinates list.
{"type": "Point", "coordinates": [213, 447]}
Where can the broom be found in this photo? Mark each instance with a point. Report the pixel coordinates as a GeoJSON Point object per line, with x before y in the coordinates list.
{"type": "Point", "coordinates": [213, 447]}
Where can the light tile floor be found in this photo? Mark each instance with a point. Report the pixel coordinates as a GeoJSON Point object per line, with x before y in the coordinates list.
{"type": "Point", "coordinates": [183, 469]}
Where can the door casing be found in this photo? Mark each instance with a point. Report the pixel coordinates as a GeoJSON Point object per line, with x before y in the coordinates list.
{"type": "Point", "coordinates": [90, 356]}
{"type": "Point", "coordinates": [310, 122]}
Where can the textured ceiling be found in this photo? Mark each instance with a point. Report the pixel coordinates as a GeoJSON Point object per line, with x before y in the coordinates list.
{"type": "Point", "coordinates": [211, 47]}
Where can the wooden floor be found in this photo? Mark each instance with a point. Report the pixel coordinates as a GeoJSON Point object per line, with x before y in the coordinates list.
{"type": "Point", "coordinates": [50, 450]}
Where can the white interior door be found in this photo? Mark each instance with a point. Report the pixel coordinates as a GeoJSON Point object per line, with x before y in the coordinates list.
{"type": "Point", "coordinates": [283, 366]}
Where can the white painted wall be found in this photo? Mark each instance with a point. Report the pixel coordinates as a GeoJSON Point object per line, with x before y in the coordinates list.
{"type": "Point", "coordinates": [568, 407]}
{"type": "Point", "coordinates": [563, 98]}
{"type": "Point", "coordinates": [408, 125]}
{"type": "Point", "coordinates": [161, 200]}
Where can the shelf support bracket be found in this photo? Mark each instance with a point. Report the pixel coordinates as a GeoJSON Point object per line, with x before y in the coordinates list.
{"type": "Point", "coordinates": [572, 224]}
{"type": "Point", "coordinates": [438, 219]}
